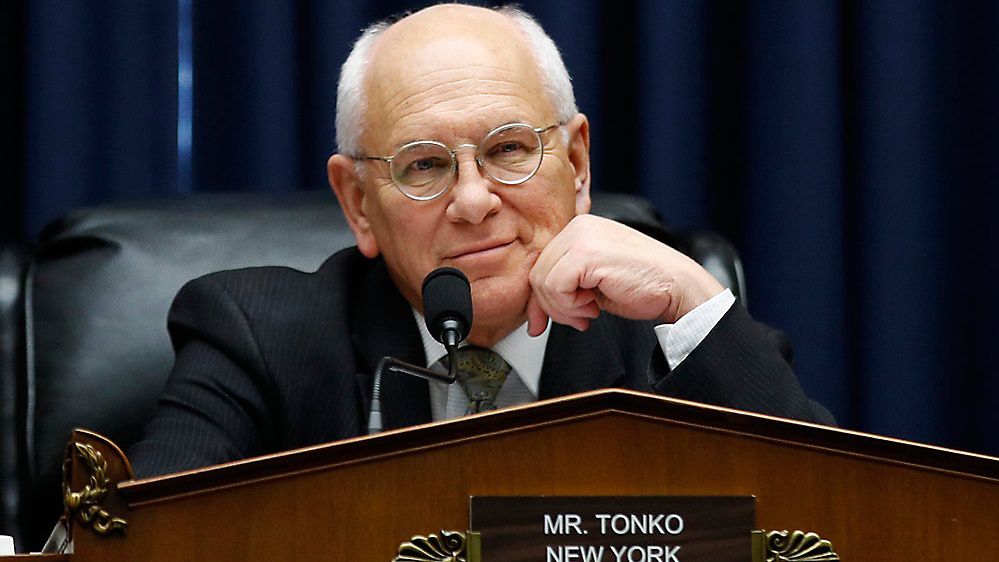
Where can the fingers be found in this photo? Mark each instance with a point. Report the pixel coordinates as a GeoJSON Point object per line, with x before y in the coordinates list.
{"type": "Point", "coordinates": [560, 292]}
{"type": "Point", "coordinates": [537, 319]}
{"type": "Point", "coordinates": [596, 264]}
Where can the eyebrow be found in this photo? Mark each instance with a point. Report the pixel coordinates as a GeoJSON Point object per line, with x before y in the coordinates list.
{"type": "Point", "coordinates": [432, 138]}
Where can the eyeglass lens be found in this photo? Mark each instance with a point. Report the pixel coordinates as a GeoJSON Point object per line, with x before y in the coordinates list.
{"type": "Point", "coordinates": [510, 154]}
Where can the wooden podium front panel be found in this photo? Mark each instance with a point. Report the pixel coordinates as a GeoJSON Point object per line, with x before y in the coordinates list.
{"type": "Point", "coordinates": [362, 508]}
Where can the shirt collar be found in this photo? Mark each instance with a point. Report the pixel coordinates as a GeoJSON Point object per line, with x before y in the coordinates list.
{"type": "Point", "coordinates": [524, 353]}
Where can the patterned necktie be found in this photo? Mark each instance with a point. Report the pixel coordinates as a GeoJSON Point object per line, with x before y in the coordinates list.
{"type": "Point", "coordinates": [481, 373]}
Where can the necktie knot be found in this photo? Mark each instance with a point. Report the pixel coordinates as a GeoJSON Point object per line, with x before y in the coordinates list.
{"type": "Point", "coordinates": [481, 373]}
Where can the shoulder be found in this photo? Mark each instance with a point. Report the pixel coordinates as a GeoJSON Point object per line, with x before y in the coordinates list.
{"type": "Point", "coordinates": [267, 283]}
{"type": "Point", "coordinates": [271, 293]}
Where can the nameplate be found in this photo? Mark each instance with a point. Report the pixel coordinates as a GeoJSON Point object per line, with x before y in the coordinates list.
{"type": "Point", "coordinates": [614, 529]}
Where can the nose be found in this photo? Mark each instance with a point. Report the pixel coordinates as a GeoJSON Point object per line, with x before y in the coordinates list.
{"type": "Point", "coordinates": [472, 196]}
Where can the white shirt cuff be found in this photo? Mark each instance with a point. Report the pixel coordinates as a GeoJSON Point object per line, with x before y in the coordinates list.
{"type": "Point", "coordinates": [680, 339]}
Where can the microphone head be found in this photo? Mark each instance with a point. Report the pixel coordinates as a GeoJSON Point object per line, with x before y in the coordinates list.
{"type": "Point", "coordinates": [447, 295]}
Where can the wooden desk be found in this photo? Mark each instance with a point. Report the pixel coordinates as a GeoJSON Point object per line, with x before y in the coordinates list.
{"type": "Point", "coordinates": [874, 498]}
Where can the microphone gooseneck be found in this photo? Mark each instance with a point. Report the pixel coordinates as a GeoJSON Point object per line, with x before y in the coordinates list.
{"type": "Point", "coordinates": [447, 311]}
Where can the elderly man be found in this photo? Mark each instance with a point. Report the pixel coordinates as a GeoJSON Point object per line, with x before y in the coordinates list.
{"type": "Point", "coordinates": [460, 145]}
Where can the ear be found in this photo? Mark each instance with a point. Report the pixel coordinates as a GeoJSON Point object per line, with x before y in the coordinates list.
{"type": "Point", "coordinates": [347, 186]}
{"type": "Point", "coordinates": [579, 157]}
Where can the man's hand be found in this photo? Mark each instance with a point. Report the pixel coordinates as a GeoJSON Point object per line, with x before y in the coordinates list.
{"type": "Point", "coordinates": [597, 264]}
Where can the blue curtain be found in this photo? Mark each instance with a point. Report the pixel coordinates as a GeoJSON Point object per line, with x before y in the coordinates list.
{"type": "Point", "coordinates": [850, 150]}
{"type": "Point", "coordinates": [99, 106]}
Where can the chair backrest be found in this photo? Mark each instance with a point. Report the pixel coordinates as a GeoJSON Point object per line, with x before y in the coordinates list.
{"type": "Point", "coordinates": [96, 351]}
{"type": "Point", "coordinates": [12, 263]}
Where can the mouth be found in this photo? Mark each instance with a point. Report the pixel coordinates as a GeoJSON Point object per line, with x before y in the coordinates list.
{"type": "Point", "coordinates": [479, 251]}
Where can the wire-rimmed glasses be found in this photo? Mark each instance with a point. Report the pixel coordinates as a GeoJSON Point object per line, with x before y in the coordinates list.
{"type": "Point", "coordinates": [510, 154]}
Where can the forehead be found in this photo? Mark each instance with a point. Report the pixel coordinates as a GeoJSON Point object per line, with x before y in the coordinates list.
{"type": "Point", "coordinates": [448, 76]}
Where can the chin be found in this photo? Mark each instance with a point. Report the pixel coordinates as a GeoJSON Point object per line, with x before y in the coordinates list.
{"type": "Point", "coordinates": [499, 303]}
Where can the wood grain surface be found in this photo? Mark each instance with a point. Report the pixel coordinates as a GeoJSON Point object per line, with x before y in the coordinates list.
{"type": "Point", "coordinates": [874, 498]}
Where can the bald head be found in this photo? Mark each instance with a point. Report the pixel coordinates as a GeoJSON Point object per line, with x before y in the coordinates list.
{"type": "Point", "coordinates": [441, 40]}
{"type": "Point", "coordinates": [451, 19]}
{"type": "Point", "coordinates": [460, 64]}
{"type": "Point", "coordinates": [450, 35]}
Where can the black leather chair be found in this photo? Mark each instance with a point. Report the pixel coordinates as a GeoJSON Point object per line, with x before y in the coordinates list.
{"type": "Point", "coordinates": [90, 344]}
{"type": "Point", "coordinates": [12, 268]}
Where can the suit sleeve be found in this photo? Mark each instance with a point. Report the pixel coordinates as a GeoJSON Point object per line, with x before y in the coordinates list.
{"type": "Point", "coordinates": [213, 409]}
{"type": "Point", "coordinates": [741, 364]}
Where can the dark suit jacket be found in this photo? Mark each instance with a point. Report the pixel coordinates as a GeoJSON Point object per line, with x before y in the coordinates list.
{"type": "Point", "coordinates": [272, 358]}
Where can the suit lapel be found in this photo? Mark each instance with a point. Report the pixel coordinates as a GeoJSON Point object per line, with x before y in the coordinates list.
{"type": "Point", "coordinates": [581, 361]}
{"type": "Point", "coordinates": [383, 325]}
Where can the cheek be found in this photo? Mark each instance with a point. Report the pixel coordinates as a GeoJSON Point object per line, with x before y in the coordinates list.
{"type": "Point", "coordinates": [386, 214]}
{"type": "Point", "coordinates": [407, 238]}
{"type": "Point", "coordinates": [407, 246]}
{"type": "Point", "coordinates": [547, 209]}
{"type": "Point", "coordinates": [562, 187]}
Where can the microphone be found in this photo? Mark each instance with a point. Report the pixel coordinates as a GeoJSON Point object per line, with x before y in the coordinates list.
{"type": "Point", "coordinates": [447, 311]}
{"type": "Point", "coordinates": [447, 305]}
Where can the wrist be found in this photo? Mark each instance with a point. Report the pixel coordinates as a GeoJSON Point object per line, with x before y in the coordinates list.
{"type": "Point", "coordinates": [693, 291]}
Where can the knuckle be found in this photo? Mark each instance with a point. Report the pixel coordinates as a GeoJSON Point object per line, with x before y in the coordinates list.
{"type": "Point", "coordinates": [535, 277]}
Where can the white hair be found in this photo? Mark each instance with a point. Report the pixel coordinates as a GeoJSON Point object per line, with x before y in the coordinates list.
{"type": "Point", "coordinates": [350, 91]}
{"type": "Point", "coordinates": [350, 96]}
